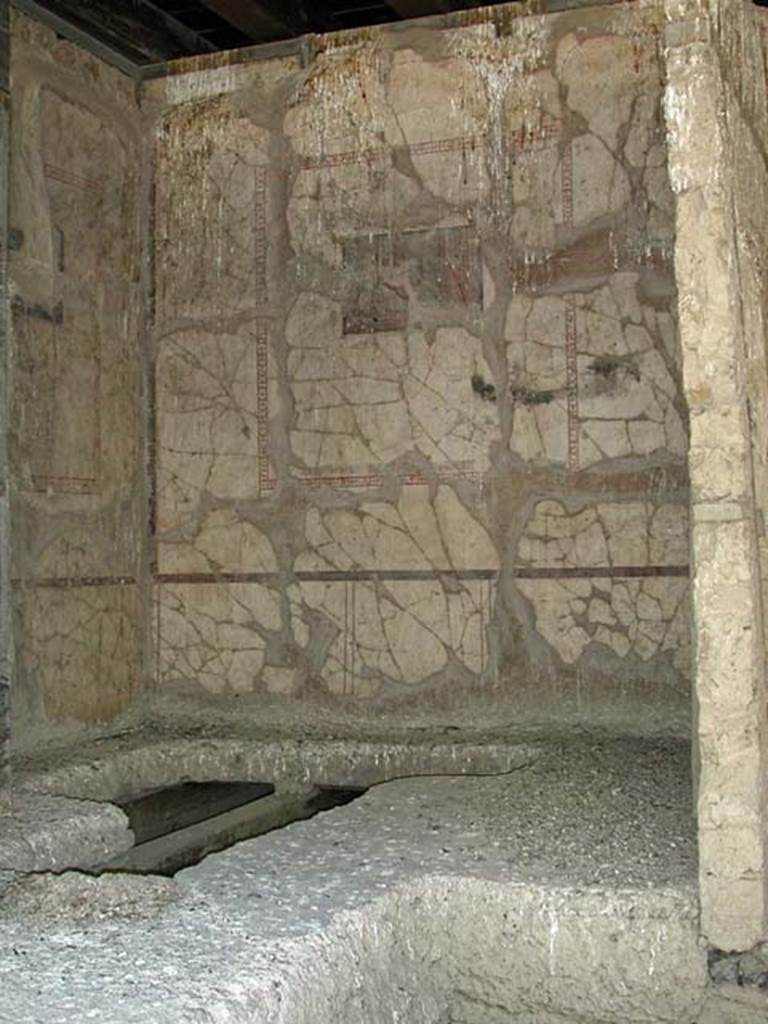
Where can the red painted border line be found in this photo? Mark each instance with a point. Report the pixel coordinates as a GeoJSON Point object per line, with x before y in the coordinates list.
{"type": "Point", "coordinates": [566, 171]}
{"type": "Point", "coordinates": [354, 478]}
{"type": "Point", "coordinates": [222, 577]}
{"type": "Point", "coordinates": [63, 582]}
{"type": "Point", "coordinates": [601, 572]}
{"type": "Point", "coordinates": [532, 138]}
{"type": "Point", "coordinates": [261, 290]}
{"type": "Point", "coordinates": [572, 384]}
{"type": "Point", "coordinates": [377, 480]}
{"type": "Point", "coordinates": [65, 177]}
{"type": "Point", "coordinates": [64, 484]}
{"type": "Point", "coordinates": [571, 339]}
{"type": "Point", "coordinates": [361, 156]}
{"type": "Point", "coordinates": [370, 575]}
{"type": "Point", "coordinates": [266, 480]}
{"type": "Point", "coordinates": [415, 575]}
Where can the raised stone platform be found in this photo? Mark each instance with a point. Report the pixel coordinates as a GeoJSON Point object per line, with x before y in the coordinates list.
{"type": "Point", "coordinates": [51, 833]}
{"type": "Point", "coordinates": [562, 892]}
{"type": "Point", "coordinates": [108, 769]}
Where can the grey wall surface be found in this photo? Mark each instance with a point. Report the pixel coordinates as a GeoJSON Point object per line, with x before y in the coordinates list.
{"type": "Point", "coordinates": [6, 658]}
{"type": "Point", "coordinates": [76, 454]}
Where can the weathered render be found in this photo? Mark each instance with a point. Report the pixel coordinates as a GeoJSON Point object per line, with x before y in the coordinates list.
{"type": "Point", "coordinates": [717, 112]}
{"type": "Point", "coordinates": [78, 414]}
{"type": "Point", "coordinates": [6, 637]}
{"type": "Point", "coordinates": [397, 404]}
{"type": "Point", "coordinates": [420, 430]}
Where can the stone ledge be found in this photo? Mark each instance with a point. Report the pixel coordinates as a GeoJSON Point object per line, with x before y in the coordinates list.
{"type": "Point", "coordinates": [115, 771]}
{"type": "Point", "coordinates": [49, 833]}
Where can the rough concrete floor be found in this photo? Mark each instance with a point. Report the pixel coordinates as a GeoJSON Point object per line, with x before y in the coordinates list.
{"type": "Point", "coordinates": [614, 813]}
{"type": "Point", "coordinates": [344, 917]}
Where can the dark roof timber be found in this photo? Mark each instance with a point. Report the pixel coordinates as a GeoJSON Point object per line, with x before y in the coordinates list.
{"type": "Point", "coordinates": [125, 56]}
{"type": "Point", "coordinates": [261, 22]}
{"type": "Point", "coordinates": [141, 36]}
{"type": "Point", "coordinates": [141, 31]}
{"type": "Point", "coordinates": [418, 8]}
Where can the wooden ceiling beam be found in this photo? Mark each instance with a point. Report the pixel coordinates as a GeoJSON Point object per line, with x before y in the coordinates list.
{"type": "Point", "coordinates": [140, 30]}
{"type": "Point", "coordinates": [415, 8]}
{"type": "Point", "coordinates": [253, 18]}
{"type": "Point", "coordinates": [192, 40]}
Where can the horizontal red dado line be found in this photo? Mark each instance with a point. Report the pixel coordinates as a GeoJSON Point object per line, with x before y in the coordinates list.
{"type": "Point", "coordinates": [367, 575]}
{"type": "Point", "coordinates": [63, 582]}
{"type": "Point", "coordinates": [602, 572]}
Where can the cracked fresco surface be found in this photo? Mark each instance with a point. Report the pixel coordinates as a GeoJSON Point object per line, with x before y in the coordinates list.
{"type": "Point", "coordinates": [77, 485]}
{"type": "Point", "coordinates": [82, 644]}
{"type": "Point", "coordinates": [208, 418]}
{"type": "Point", "coordinates": [424, 444]}
{"type": "Point", "coordinates": [383, 397]}
{"type": "Point", "coordinates": [642, 616]}
{"type": "Point", "coordinates": [210, 214]}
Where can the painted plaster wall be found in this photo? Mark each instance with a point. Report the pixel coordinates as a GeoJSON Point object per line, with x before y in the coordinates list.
{"type": "Point", "coordinates": [420, 435]}
{"type": "Point", "coordinates": [717, 107]}
{"type": "Point", "coordinates": [78, 496]}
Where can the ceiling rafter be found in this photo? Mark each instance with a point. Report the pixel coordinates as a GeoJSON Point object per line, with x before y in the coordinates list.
{"type": "Point", "coordinates": [139, 29]}
{"type": "Point", "coordinates": [416, 8]}
{"type": "Point", "coordinates": [135, 34]}
{"type": "Point", "coordinates": [253, 18]}
{"type": "Point", "coordinates": [194, 41]}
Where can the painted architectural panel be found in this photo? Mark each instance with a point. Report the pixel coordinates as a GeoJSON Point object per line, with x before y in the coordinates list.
{"type": "Point", "coordinates": [469, 318]}
{"type": "Point", "coordinates": [210, 226]}
{"type": "Point", "coordinates": [78, 493]}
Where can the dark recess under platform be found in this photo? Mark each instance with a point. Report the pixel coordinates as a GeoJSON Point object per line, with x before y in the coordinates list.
{"type": "Point", "coordinates": [178, 826]}
{"type": "Point", "coordinates": [167, 810]}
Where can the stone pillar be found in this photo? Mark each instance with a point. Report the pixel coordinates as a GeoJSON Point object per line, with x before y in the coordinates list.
{"type": "Point", "coordinates": [6, 642]}
{"type": "Point", "coordinates": [727, 529]}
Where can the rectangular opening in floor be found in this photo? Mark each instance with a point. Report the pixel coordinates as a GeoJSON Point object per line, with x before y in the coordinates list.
{"type": "Point", "coordinates": [178, 826]}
